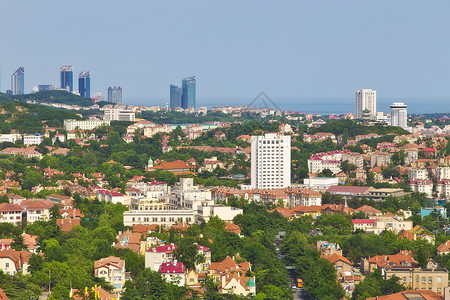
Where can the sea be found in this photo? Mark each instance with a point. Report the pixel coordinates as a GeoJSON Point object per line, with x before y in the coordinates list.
{"type": "Point", "coordinates": [323, 106]}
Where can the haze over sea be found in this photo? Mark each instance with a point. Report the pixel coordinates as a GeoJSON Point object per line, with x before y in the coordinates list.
{"type": "Point", "coordinates": [309, 105]}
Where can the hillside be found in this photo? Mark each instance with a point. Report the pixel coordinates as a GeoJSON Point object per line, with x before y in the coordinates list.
{"type": "Point", "coordinates": [29, 118]}
{"type": "Point", "coordinates": [50, 97]}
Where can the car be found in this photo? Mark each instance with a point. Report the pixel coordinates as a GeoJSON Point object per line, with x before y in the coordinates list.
{"type": "Point", "coordinates": [294, 286]}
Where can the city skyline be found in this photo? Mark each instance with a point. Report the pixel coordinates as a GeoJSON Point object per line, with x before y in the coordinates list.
{"type": "Point", "coordinates": [286, 50]}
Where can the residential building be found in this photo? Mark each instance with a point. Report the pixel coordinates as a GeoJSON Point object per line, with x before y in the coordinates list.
{"type": "Point", "coordinates": [231, 276]}
{"type": "Point", "coordinates": [304, 197]}
{"type": "Point", "coordinates": [320, 183]}
{"type": "Point", "coordinates": [174, 272]}
{"type": "Point", "coordinates": [27, 152]}
{"type": "Point", "coordinates": [89, 124]}
{"type": "Point", "coordinates": [112, 269]}
{"type": "Point", "coordinates": [326, 249]}
{"type": "Point", "coordinates": [37, 209]}
{"type": "Point", "coordinates": [366, 104]}
{"type": "Point", "coordinates": [12, 261]}
{"type": "Point", "coordinates": [11, 138]}
{"type": "Point", "coordinates": [403, 259]}
{"type": "Point", "coordinates": [435, 280]}
{"type": "Point", "coordinates": [399, 115]}
{"type": "Point", "coordinates": [417, 173]}
{"type": "Point", "coordinates": [444, 248]}
{"type": "Point", "coordinates": [188, 96]}
{"type": "Point", "coordinates": [10, 213]}
{"type": "Point", "coordinates": [84, 84]}
{"type": "Point", "coordinates": [175, 96]}
{"type": "Point", "coordinates": [152, 130]}
{"type": "Point", "coordinates": [115, 95]}
{"type": "Point", "coordinates": [377, 224]}
{"type": "Point", "coordinates": [119, 114]}
{"type": "Point", "coordinates": [443, 188]}
{"type": "Point", "coordinates": [66, 78]}
{"type": "Point", "coordinates": [33, 139]}
{"type": "Point", "coordinates": [411, 294]}
{"type": "Point", "coordinates": [342, 264]}
{"type": "Point", "coordinates": [443, 172]}
{"type": "Point", "coordinates": [422, 186]}
{"type": "Point", "coordinates": [270, 161]}
{"type": "Point", "coordinates": [18, 82]}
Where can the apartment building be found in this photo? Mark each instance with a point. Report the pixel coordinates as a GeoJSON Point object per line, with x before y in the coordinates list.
{"type": "Point", "coordinates": [420, 279]}
{"type": "Point", "coordinates": [119, 114]}
{"type": "Point", "coordinates": [112, 269]}
{"type": "Point", "coordinates": [422, 186]}
{"type": "Point", "coordinates": [270, 161]}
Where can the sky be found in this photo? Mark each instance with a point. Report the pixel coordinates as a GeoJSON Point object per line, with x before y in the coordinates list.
{"type": "Point", "coordinates": [317, 49]}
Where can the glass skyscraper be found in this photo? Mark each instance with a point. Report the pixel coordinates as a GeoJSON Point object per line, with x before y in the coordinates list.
{"type": "Point", "coordinates": [84, 84]}
{"type": "Point", "coordinates": [115, 95]}
{"type": "Point", "coordinates": [175, 96]}
{"type": "Point", "coordinates": [66, 73]}
{"type": "Point", "coordinates": [18, 82]}
{"type": "Point", "coordinates": [188, 98]}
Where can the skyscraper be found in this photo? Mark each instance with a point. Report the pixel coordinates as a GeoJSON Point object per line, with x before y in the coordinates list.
{"type": "Point", "coordinates": [399, 115]}
{"type": "Point", "coordinates": [366, 104]}
{"type": "Point", "coordinates": [270, 161]}
{"type": "Point", "coordinates": [175, 96]}
{"type": "Point", "coordinates": [115, 95]}
{"type": "Point", "coordinates": [188, 97]}
{"type": "Point", "coordinates": [66, 73]}
{"type": "Point", "coordinates": [18, 82]}
{"type": "Point", "coordinates": [84, 84]}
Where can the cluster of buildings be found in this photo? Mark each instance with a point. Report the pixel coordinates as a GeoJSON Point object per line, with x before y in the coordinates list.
{"type": "Point", "coordinates": [366, 108]}
{"type": "Point", "coordinates": [184, 96]}
{"type": "Point", "coordinates": [66, 83]}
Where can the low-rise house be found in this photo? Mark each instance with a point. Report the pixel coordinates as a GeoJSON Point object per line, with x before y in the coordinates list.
{"type": "Point", "coordinates": [112, 269]}
{"type": "Point", "coordinates": [174, 272]}
{"type": "Point", "coordinates": [326, 249]}
{"type": "Point", "coordinates": [403, 260]}
{"type": "Point", "coordinates": [377, 224]}
{"type": "Point", "coordinates": [444, 248]}
{"type": "Point", "coordinates": [369, 210]}
{"type": "Point", "coordinates": [28, 152]}
{"type": "Point", "coordinates": [67, 224]}
{"type": "Point", "coordinates": [10, 213]}
{"type": "Point", "coordinates": [12, 261]}
{"type": "Point", "coordinates": [37, 209]}
{"type": "Point", "coordinates": [5, 244]}
{"type": "Point", "coordinates": [342, 264]}
{"type": "Point", "coordinates": [128, 240]}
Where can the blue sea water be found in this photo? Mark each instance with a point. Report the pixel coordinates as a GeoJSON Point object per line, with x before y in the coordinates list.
{"type": "Point", "coordinates": [310, 105]}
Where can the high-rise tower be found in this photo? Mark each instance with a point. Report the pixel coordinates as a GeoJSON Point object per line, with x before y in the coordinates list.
{"type": "Point", "coordinates": [270, 161]}
{"type": "Point", "coordinates": [399, 114]}
{"type": "Point", "coordinates": [84, 84]}
{"type": "Point", "coordinates": [115, 95]}
{"type": "Point", "coordinates": [366, 104]}
{"type": "Point", "coordinates": [66, 76]}
{"type": "Point", "coordinates": [188, 96]}
{"type": "Point", "coordinates": [175, 96]}
{"type": "Point", "coordinates": [18, 82]}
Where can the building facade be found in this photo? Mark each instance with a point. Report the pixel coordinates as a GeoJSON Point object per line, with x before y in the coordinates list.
{"type": "Point", "coordinates": [66, 78]}
{"type": "Point", "coordinates": [399, 114]}
{"type": "Point", "coordinates": [115, 95]}
{"type": "Point", "coordinates": [270, 161]}
{"type": "Point", "coordinates": [89, 124]}
{"type": "Point", "coordinates": [84, 84]}
{"type": "Point", "coordinates": [188, 96]}
{"type": "Point", "coordinates": [366, 104]}
{"type": "Point", "coordinates": [18, 82]}
{"type": "Point", "coordinates": [119, 114]}
{"type": "Point", "coordinates": [175, 96]}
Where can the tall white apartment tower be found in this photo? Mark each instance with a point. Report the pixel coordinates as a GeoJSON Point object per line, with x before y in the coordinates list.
{"type": "Point", "coordinates": [366, 104]}
{"type": "Point", "coordinates": [399, 114]}
{"type": "Point", "coordinates": [271, 161]}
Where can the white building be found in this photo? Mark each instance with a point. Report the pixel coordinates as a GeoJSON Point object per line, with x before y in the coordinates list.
{"type": "Point", "coordinates": [366, 103]}
{"type": "Point", "coordinates": [399, 115]}
{"type": "Point", "coordinates": [417, 173]}
{"type": "Point", "coordinates": [443, 172]}
{"type": "Point", "coordinates": [89, 124]}
{"type": "Point", "coordinates": [320, 182]}
{"type": "Point", "coordinates": [10, 213]}
{"type": "Point", "coordinates": [422, 186]}
{"type": "Point", "coordinates": [112, 269]}
{"type": "Point", "coordinates": [11, 138]}
{"type": "Point", "coordinates": [119, 114]}
{"type": "Point", "coordinates": [34, 139]}
{"type": "Point", "coordinates": [270, 161]}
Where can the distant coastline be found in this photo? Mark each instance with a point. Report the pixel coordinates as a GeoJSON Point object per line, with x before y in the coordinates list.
{"type": "Point", "coordinates": [312, 105]}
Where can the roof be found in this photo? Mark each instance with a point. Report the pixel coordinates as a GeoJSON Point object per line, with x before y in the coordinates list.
{"type": "Point", "coordinates": [410, 294]}
{"type": "Point", "coordinates": [172, 267]}
{"type": "Point", "coordinates": [445, 247]}
{"type": "Point", "coordinates": [348, 189]}
{"type": "Point", "coordinates": [109, 261]}
{"type": "Point", "coordinates": [336, 257]}
{"type": "Point", "coordinates": [10, 207]}
{"type": "Point", "coordinates": [368, 210]}
{"type": "Point", "coordinates": [3, 295]}
{"type": "Point", "coordinates": [363, 221]}
{"type": "Point", "coordinates": [67, 224]}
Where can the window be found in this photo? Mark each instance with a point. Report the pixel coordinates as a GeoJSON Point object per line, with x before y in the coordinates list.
{"type": "Point", "coordinates": [430, 279]}
{"type": "Point", "coordinates": [423, 279]}
{"type": "Point", "coordinates": [439, 279]}
{"type": "Point", "coordinates": [6, 265]}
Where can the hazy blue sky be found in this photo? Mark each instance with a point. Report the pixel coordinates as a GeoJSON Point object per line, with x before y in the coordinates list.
{"type": "Point", "coordinates": [298, 48]}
